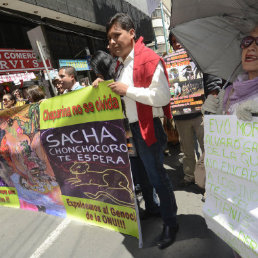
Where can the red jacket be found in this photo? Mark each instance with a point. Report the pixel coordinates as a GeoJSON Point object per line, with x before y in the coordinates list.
{"type": "Point", "coordinates": [145, 63]}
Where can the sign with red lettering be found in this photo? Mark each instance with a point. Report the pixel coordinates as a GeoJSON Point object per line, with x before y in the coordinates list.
{"type": "Point", "coordinates": [20, 60]}
{"type": "Point", "coordinates": [69, 157]}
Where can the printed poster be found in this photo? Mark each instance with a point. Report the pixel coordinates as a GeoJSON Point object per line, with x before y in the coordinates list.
{"type": "Point", "coordinates": [69, 157]}
{"type": "Point", "coordinates": [186, 84]}
{"type": "Point", "coordinates": [231, 162]}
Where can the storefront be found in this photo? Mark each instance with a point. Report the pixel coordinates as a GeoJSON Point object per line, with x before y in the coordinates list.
{"type": "Point", "coordinates": [20, 68]}
{"type": "Point", "coordinates": [73, 30]}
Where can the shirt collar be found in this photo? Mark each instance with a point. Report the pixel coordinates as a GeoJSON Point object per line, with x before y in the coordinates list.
{"type": "Point", "coordinates": [128, 58]}
{"type": "Point", "coordinates": [74, 86]}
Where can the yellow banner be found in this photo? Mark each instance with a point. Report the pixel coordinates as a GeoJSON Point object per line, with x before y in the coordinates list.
{"type": "Point", "coordinates": [9, 197]}
{"type": "Point", "coordinates": [110, 216]}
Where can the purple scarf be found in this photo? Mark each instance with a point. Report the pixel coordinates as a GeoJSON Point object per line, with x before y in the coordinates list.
{"type": "Point", "coordinates": [243, 90]}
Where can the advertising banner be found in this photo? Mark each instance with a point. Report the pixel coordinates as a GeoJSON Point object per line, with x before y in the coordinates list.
{"type": "Point", "coordinates": [20, 60]}
{"type": "Point", "coordinates": [231, 206]}
{"type": "Point", "coordinates": [69, 157]}
{"type": "Point", "coordinates": [186, 84]}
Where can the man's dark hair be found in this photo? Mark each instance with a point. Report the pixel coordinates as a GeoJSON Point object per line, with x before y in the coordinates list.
{"type": "Point", "coordinates": [124, 20]}
{"type": "Point", "coordinates": [70, 70]}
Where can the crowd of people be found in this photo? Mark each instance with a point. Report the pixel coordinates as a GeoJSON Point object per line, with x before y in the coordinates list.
{"type": "Point", "coordinates": [36, 93]}
{"type": "Point", "coordinates": [20, 97]}
{"type": "Point", "coordinates": [140, 78]}
{"type": "Point", "coordinates": [143, 84]}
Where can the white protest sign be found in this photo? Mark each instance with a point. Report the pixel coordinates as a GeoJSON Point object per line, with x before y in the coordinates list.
{"type": "Point", "coordinates": [231, 162]}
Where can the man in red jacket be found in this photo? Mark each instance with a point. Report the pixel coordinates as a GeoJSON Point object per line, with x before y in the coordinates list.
{"type": "Point", "coordinates": [143, 82]}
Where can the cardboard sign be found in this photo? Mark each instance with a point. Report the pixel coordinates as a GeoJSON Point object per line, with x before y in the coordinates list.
{"type": "Point", "coordinates": [231, 162]}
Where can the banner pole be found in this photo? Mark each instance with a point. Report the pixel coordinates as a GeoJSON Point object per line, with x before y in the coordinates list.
{"type": "Point", "coordinates": [45, 65]}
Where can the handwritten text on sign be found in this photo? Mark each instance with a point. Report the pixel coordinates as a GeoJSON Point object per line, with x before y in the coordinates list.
{"type": "Point", "coordinates": [231, 162]}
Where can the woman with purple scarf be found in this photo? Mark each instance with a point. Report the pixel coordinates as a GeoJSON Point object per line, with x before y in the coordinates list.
{"type": "Point", "coordinates": [240, 98]}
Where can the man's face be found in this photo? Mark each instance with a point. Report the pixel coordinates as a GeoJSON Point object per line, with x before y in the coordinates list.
{"type": "Point", "coordinates": [66, 81]}
{"type": "Point", "coordinates": [175, 45]}
{"type": "Point", "coordinates": [121, 41]}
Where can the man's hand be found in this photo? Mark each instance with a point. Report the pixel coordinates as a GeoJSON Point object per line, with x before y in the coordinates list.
{"type": "Point", "coordinates": [95, 84]}
{"type": "Point", "coordinates": [119, 88]}
{"type": "Point", "coordinates": [245, 110]}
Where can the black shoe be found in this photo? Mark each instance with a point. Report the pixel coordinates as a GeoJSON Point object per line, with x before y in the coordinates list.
{"type": "Point", "coordinates": [166, 152]}
{"type": "Point", "coordinates": [137, 189]}
{"type": "Point", "coordinates": [185, 183]}
{"type": "Point", "coordinates": [144, 215]}
{"type": "Point", "coordinates": [167, 236]}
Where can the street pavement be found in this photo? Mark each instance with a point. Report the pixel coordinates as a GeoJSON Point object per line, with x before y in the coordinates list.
{"type": "Point", "coordinates": [28, 234]}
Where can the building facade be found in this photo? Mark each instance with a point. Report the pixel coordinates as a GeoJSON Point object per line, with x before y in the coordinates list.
{"type": "Point", "coordinates": [161, 22]}
{"type": "Point", "coordinates": [71, 27]}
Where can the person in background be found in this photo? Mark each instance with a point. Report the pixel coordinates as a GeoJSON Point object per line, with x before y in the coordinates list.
{"type": "Point", "coordinates": [68, 79]}
{"type": "Point", "coordinates": [85, 82]}
{"type": "Point", "coordinates": [190, 126]}
{"type": "Point", "coordinates": [9, 101]}
{"type": "Point", "coordinates": [58, 85]}
{"type": "Point", "coordinates": [34, 94]}
{"type": "Point", "coordinates": [143, 81]}
{"type": "Point", "coordinates": [19, 97]}
{"type": "Point", "coordinates": [103, 65]}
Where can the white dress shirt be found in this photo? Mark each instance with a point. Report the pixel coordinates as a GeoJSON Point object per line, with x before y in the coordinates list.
{"type": "Point", "coordinates": [156, 95]}
{"type": "Point", "coordinates": [76, 86]}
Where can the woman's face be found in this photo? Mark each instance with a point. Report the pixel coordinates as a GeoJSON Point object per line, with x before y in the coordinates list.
{"type": "Point", "coordinates": [8, 103]}
{"type": "Point", "coordinates": [250, 57]}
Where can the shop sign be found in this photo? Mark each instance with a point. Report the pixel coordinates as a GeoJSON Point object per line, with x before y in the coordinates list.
{"type": "Point", "coordinates": [79, 64]}
{"type": "Point", "coordinates": [20, 60]}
